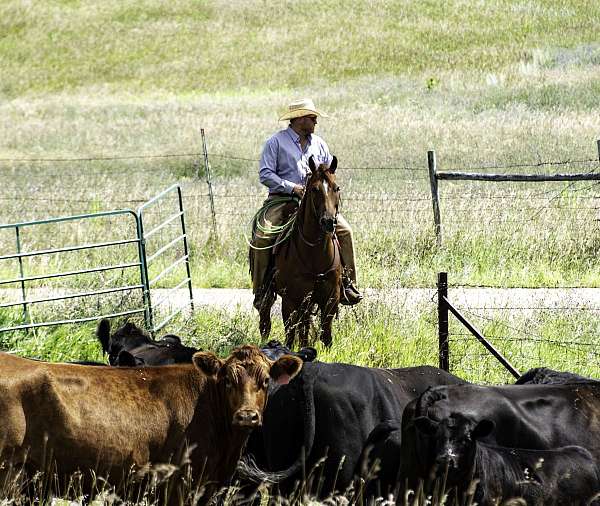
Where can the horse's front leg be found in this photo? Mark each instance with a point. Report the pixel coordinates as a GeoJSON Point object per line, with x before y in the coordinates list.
{"type": "Point", "coordinates": [304, 319]}
{"type": "Point", "coordinates": [329, 311]}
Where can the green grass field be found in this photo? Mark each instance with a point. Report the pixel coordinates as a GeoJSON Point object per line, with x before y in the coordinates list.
{"type": "Point", "coordinates": [505, 83]}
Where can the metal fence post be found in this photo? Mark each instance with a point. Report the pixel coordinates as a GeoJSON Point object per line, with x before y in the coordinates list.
{"type": "Point", "coordinates": [144, 273]}
{"type": "Point", "coordinates": [22, 274]}
{"type": "Point", "coordinates": [443, 345]}
{"type": "Point", "coordinates": [598, 144]}
{"type": "Point", "coordinates": [435, 199]}
{"type": "Point", "coordinates": [186, 249]}
{"type": "Point", "coordinates": [209, 183]}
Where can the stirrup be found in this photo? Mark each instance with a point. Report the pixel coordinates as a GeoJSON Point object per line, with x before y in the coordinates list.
{"type": "Point", "coordinates": [349, 295]}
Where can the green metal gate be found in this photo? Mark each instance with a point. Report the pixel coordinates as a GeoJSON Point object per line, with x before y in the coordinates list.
{"type": "Point", "coordinates": [132, 225]}
{"type": "Point", "coordinates": [172, 216]}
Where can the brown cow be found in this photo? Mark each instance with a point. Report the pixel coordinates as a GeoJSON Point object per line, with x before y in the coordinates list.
{"type": "Point", "coordinates": [112, 420]}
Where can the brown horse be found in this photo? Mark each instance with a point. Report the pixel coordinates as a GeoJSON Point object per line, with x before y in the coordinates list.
{"type": "Point", "coordinates": [308, 266]}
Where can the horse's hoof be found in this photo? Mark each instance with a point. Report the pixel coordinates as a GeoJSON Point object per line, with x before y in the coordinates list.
{"type": "Point", "coordinates": [264, 329]}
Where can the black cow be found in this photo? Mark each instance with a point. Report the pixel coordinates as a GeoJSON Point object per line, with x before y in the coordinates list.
{"type": "Point", "coordinates": [379, 465]}
{"type": "Point", "coordinates": [131, 346]}
{"type": "Point", "coordinates": [455, 453]}
{"type": "Point", "coordinates": [537, 416]}
{"type": "Point", "coordinates": [327, 412]}
{"type": "Point", "coordinates": [274, 349]}
{"type": "Point", "coordinates": [545, 376]}
{"type": "Point", "coordinates": [378, 469]}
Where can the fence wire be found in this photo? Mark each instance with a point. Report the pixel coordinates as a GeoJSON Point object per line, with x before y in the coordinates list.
{"type": "Point", "coordinates": [557, 329]}
{"type": "Point", "coordinates": [393, 201]}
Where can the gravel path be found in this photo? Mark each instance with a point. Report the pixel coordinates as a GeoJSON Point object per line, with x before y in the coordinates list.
{"type": "Point", "coordinates": [408, 299]}
{"type": "Point", "coordinates": [416, 298]}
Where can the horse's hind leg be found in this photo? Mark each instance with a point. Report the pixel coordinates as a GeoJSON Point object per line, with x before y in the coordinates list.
{"type": "Point", "coordinates": [304, 327]}
{"type": "Point", "coordinates": [290, 321]}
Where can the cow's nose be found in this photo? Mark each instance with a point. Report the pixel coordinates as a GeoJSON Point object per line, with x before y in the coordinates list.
{"type": "Point", "coordinates": [446, 462]}
{"type": "Point", "coordinates": [246, 418]}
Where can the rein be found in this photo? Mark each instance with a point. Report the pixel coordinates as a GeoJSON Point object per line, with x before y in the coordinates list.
{"type": "Point", "coordinates": [299, 225]}
{"type": "Point", "coordinates": [314, 211]}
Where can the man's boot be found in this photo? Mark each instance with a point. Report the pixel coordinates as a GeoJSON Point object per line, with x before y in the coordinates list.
{"type": "Point", "coordinates": [350, 294]}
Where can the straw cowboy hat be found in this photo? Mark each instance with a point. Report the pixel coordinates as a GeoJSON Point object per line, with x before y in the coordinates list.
{"type": "Point", "coordinates": [299, 108]}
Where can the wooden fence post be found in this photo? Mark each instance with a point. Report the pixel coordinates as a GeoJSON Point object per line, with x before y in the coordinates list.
{"type": "Point", "coordinates": [435, 199]}
{"type": "Point", "coordinates": [443, 345]}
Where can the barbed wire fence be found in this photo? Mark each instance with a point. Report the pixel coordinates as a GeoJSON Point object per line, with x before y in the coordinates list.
{"type": "Point", "coordinates": [374, 197]}
{"type": "Point", "coordinates": [509, 331]}
{"type": "Point", "coordinates": [390, 208]}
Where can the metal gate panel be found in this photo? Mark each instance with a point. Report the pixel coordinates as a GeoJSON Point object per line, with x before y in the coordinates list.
{"type": "Point", "coordinates": [176, 246]}
{"type": "Point", "coordinates": [22, 279]}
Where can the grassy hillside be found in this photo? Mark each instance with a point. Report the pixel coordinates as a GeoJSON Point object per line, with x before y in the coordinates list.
{"type": "Point", "coordinates": [221, 46]}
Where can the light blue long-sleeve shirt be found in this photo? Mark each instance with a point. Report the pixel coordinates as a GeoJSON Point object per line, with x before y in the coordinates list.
{"type": "Point", "coordinates": [283, 163]}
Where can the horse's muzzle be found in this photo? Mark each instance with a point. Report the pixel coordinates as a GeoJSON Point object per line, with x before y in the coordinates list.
{"type": "Point", "coordinates": [328, 224]}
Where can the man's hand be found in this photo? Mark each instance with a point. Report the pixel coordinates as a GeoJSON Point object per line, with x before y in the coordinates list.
{"type": "Point", "coordinates": [298, 190]}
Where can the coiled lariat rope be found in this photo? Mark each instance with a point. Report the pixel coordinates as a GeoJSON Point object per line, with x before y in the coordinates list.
{"type": "Point", "coordinates": [258, 223]}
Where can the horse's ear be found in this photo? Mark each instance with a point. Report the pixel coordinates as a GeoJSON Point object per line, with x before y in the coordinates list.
{"type": "Point", "coordinates": [333, 165]}
{"type": "Point", "coordinates": [312, 165]}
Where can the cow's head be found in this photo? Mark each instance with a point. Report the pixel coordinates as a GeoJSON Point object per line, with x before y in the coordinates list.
{"type": "Point", "coordinates": [242, 380]}
{"type": "Point", "coordinates": [274, 349]}
{"type": "Point", "coordinates": [451, 445]}
{"type": "Point", "coordinates": [125, 338]}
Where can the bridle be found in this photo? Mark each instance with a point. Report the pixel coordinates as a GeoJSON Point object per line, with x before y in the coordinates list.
{"type": "Point", "coordinates": [303, 203]}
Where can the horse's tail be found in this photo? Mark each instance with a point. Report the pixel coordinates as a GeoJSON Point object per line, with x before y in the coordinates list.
{"type": "Point", "coordinates": [247, 468]}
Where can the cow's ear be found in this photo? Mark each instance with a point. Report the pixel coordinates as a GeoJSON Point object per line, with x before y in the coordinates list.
{"type": "Point", "coordinates": [207, 362]}
{"type": "Point", "coordinates": [103, 333]}
{"type": "Point", "coordinates": [130, 327]}
{"type": "Point", "coordinates": [333, 165]}
{"type": "Point", "coordinates": [483, 429]}
{"type": "Point", "coordinates": [172, 339]}
{"type": "Point", "coordinates": [425, 425]}
{"type": "Point", "coordinates": [307, 354]}
{"type": "Point", "coordinates": [285, 368]}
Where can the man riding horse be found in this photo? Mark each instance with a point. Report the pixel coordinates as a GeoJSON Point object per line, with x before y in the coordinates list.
{"type": "Point", "coordinates": [283, 169]}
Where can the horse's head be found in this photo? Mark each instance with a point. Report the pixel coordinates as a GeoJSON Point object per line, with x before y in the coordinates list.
{"type": "Point", "coordinates": [323, 193]}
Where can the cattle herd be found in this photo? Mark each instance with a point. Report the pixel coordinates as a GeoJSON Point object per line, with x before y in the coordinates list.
{"type": "Point", "coordinates": [303, 427]}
